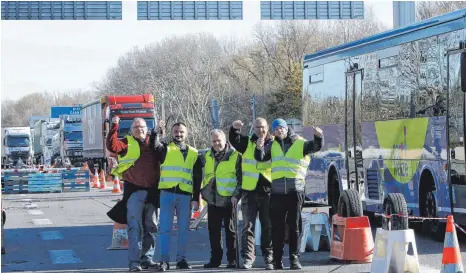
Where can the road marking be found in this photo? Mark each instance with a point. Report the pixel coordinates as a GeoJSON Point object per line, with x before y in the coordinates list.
{"type": "Point", "coordinates": [30, 206]}
{"type": "Point", "coordinates": [26, 200]}
{"type": "Point", "coordinates": [35, 212]}
{"type": "Point", "coordinates": [51, 235]}
{"type": "Point", "coordinates": [41, 222]}
{"type": "Point", "coordinates": [66, 256]}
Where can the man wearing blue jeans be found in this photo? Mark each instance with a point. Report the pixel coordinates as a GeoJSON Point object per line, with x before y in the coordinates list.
{"type": "Point", "coordinates": [180, 191]}
{"type": "Point", "coordinates": [138, 166]}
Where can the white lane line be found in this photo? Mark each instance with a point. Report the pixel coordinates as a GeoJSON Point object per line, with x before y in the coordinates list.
{"type": "Point", "coordinates": [51, 235]}
{"type": "Point", "coordinates": [35, 212]}
{"type": "Point", "coordinates": [26, 200]}
{"type": "Point", "coordinates": [66, 256]}
{"type": "Point", "coordinates": [42, 222]}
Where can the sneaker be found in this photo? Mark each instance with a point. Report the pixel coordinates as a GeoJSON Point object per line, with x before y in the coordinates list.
{"type": "Point", "coordinates": [278, 265]}
{"type": "Point", "coordinates": [163, 266]}
{"type": "Point", "coordinates": [149, 264]}
{"type": "Point", "coordinates": [268, 263]}
{"type": "Point", "coordinates": [231, 264]}
{"type": "Point", "coordinates": [135, 268]}
{"type": "Point", "coordinates": [211, 265]}
{"type": "Point", "coordinates": [247, 264]}
{"type": "Point", "coordinates": [183, 264]}
{"type": "Point", "coordinates": [295, 265]}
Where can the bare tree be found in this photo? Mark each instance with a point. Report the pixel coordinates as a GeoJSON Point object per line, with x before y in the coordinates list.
{"type": "Point", "coordinates": [429, 9]}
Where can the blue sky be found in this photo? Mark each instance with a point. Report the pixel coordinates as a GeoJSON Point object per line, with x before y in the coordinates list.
{"type": "Point", "coordinates": [71, 55]}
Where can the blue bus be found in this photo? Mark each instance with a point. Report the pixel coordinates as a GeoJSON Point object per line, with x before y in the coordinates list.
{"type": "Point", "coordinates": [392, 109]}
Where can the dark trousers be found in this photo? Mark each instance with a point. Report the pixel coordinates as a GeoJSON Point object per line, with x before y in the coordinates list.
{"type": "Point", "coordinates": [286, 208]}
{"type": "Point", "coordinates": [217, 215]}
{"type": "Point", "coordinates": [251, 204]}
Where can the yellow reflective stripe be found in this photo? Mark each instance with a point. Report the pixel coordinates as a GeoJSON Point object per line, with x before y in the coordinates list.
{"type": "Point", "coordinates": [175, 168]}
{"type": "Point", "coordinates": [129, 160]}
{"type": "Point", "coordinates": [226, 180]}
{"type": "Point", "coordinates": [289, 169]}
{"type": "Point", "coordinates": [228, 189]}
{"type": "Point", "coordinates": [291, 160]}
{"type": "Point", "coordinates": [250, 174]}
{"type": "Point", "coordinates": [249, 161]}
{"type": "Point", "coordinates": [176, 179]}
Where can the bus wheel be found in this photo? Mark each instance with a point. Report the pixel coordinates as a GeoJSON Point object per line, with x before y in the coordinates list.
{"type": "Point", "coordinates": [349, 204]}
{"type": "Point", "coordinates": [395, 205]}
{"type": "Point", "coordinates": [433, 228]}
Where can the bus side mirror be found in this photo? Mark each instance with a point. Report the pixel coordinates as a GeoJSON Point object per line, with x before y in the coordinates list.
{"type": "Point", "coordinates": [463, 71]}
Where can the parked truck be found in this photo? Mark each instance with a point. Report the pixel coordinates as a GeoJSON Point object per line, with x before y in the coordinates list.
{"type": "Point", "coordinates": [96, 123]}
{"type": "Point", "coordinates": [44, 130]}
{"type": "Point", "coordinates": [70, 140]}
{"type": "Point", "coordinates": [17, 146]}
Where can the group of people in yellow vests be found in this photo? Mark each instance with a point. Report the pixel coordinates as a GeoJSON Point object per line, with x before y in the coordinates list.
{"type": "Point", "coordinates": [265, 172]}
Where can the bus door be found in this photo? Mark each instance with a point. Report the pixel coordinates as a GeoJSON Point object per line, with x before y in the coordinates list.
{"type": "Point", "coordinates": [456, 131]}
{"type": "Point", "coordinates": [353, 138]}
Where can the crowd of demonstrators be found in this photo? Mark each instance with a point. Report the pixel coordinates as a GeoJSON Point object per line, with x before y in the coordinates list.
{"type": "Point", "coordinates": [266, 172]}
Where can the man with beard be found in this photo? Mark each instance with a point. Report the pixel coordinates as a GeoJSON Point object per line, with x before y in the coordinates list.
{"type": "Point", "coordinates": [138, 167]}
{"type": "Point", "coordinates": [222, 180]}
{"type": "Point", "coordinates": [180, 183]}
{"type": "Point", "coordinates": [255, 190]}
{"type": "Point", "coordinates": [290, 159]}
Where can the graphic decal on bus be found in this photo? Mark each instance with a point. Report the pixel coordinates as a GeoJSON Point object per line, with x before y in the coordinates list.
{"type": "Point", "coordinates": [405, 138]}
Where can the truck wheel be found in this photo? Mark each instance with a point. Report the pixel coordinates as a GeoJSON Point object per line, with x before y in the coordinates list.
{"type": "Point", "coordinates": [334, 193]}
{"type": "Point", "coordinates": [395, 205]}
{"type": "Point", "coordinates": [433, 228]}
{"type": "Point", "coordinates": [349, 204]}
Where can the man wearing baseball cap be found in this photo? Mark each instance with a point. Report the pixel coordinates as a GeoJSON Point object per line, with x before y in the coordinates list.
{"type": "Point", "coordinates": [290, 159]}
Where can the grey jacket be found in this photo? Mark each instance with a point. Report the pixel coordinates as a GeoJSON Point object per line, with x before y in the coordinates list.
{"type": "Point", "coordinates": [287, 185]}
{"type": "Point", "coordinates": [209, 193]}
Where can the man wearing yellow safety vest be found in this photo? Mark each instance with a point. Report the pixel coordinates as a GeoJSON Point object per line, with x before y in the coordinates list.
{"type": "Point", "coordinates": [222, 179]}
{"type": "Point", "coordinates": [138, 167]}
{"type": "Point", "coordinates": [290, 159]}
{"type": "Point", "coordinates": [255, 188]}
{"type": "Point", "coordinates": [180, 184]}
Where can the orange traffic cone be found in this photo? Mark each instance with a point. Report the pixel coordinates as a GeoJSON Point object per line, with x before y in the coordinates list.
{"type": "Point", "coordinates": [96, 180]}
{"type": "Point", "coordinates": [103, 184]}
{"type": "Point", "coordinates": [451, 259]}
{"type": "Point", "coordinates": [351, 239]}
{"type": "Point", "coordinates": [119, 237]}
{"type": "Point", "coordinates": [116, 185]}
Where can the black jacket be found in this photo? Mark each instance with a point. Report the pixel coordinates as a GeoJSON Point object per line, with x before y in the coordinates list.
{"type": "Point", "coordinates": [240, 143]}
{"type": "Point", "coordinates": [209, 192]}
{"type": "Point", "coordinates": [287, 185]}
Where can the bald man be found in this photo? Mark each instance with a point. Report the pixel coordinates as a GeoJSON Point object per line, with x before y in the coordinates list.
{"type": "Point", "coordinates": [255, 191]}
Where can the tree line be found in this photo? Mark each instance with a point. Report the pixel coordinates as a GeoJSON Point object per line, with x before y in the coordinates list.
{"type": "Point", "coordinates": [187, 72]}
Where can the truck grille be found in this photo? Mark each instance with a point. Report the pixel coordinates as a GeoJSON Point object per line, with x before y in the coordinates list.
{"type": "Point", "coordinates": [17, 155]}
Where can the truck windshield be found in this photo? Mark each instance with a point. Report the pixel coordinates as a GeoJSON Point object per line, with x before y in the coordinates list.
{"type": "Point", "coordinates": [73, 136]}
{"type": "Point", "coordinates": [17, 141]}
{"type": "Point", "coordinates": [125, 126]}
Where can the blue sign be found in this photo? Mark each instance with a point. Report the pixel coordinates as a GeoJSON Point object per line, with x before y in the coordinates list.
{"type": "Point", "coordinates": [190, 10]}
{"type": "Point", "coordinates": [56, 111]}
{"type": "Point", "coordinates": [61, 10]}
{"type": "Point", "coordinates": [311, 10]}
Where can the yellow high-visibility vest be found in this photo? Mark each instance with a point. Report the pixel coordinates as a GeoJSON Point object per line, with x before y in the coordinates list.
{"type": "Point", "coordinates": [175, 170]}
{"type": "Point", "coordinates": [127, 161]}
{"type": "Point", "coordinates": [252, 168]}
{"type": "Point", "coordinates": [293, 164]}
{"type": "Point", "coordinates": [225, 173]}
